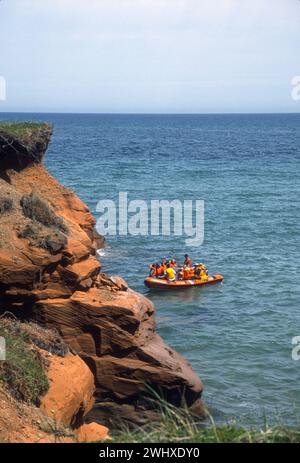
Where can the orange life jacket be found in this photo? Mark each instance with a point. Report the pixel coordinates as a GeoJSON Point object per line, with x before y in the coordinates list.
{"type": "Point", "coordinates": [186, 273]}
{"type": "Point", "coordinates": [191, 273]}
{"type": "Point", "coordinates": [155, 272]}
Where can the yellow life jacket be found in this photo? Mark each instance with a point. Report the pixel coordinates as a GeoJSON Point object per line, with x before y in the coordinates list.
{"type": "Point", "coordinates": [203, 275]}
{"type": "Point", "coordinates": [170, 274]}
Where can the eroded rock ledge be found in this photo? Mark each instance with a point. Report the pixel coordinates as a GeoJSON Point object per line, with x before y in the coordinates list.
{"type": "Point", "coordinates": [109, 325]}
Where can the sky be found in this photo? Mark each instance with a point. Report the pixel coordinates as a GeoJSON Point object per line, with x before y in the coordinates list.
{"type": "Point", "coordinates": [149, 56]}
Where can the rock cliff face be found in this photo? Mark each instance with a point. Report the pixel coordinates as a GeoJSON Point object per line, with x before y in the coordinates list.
{"type": "Point", "coordinates": [49, 273]}
{"type": "Point", "coordinates": [71, 390]}
{"type": "Point", "coordinates": [51, 392]}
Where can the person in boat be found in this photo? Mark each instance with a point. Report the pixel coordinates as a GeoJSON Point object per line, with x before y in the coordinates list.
{"type": "Point", "coordinates": [164, 265]}
{"type": "Point", "coordinates": [197, 270]}
{"type": "Point", "coordinates": [185, 272]}
{"type": "Point", "coordinates": [191, 272]}
{"type": "Point", "coordinates": [187, 261]}
{"type": "Point", "coordinates": [160, 272]}
{"type": "Point", "coordinates": [170, 273]}
{"type": "Point", "coordinates": [203, 273]}
{"type": "Point", "coordinates": [152, 270]}
{"type": "Point", "coordinates": [203, 266]}
{"type": "Point", "coordinates": [173, 263]}
{"type": "Point", "coordinates": [180, 273]}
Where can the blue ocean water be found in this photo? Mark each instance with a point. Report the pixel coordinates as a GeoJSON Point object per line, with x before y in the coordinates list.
{"type": "Point", "coordinates": [246, 168]}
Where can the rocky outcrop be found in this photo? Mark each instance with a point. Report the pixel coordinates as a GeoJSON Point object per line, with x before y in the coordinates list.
{"type": "Point", "coordinates": [109, 325]}
{"type": "Point", "coordinates": [18, 151]}
{"type": "Point", "coordinates": [114, 332]}
{"type": "Point", "coordinates": [71, 390]}
{"type": "Point", "coordinates": [92, 432]}
{"type": "Point", "coordinates": [52, 390]}
{"type": "Point", "coordinates": [21, 422]}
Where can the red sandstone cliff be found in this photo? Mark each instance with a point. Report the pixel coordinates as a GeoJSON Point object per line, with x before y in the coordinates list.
{"type": "Point", "coordinates": [49, 273]}
{"type": "Point", "coordinates": [64, 382]}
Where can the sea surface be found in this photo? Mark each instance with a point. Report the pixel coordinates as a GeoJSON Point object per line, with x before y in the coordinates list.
{"type": "Point", "coordinates": [237, 335]}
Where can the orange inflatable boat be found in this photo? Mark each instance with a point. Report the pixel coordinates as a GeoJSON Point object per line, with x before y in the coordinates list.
{"type": "Point", "coordinates": [161, 283]}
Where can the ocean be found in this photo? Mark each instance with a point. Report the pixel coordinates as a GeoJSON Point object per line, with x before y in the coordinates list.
{"type": "Point", "coordinates": [237, 335]}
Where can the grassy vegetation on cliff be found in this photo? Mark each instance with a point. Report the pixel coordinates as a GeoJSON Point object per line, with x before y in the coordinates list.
{"type": "Point", "coordinates": [178, 426]}
{"type": "Point", "coordinates": [223, 434]}
{"type": "Point", "coordinates": [53, 238]}
{"type": "Point", "coordinates": [19, 136]}
{"type": "Point", "coordinates": [53, 242]}
{"type": "Point", "coordinates": [23, 371]}
{"type": "Point", "coordinates": [21, 129]}
{"type": "Point", "coordinates": [39, 210]}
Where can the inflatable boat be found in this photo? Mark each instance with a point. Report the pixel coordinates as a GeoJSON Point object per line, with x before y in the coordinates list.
{"type": "Point", "coordinates": [161, 283]}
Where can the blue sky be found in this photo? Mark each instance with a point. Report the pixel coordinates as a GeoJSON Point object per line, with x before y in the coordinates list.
{"type": "Point", "coordinates": [149, 55]}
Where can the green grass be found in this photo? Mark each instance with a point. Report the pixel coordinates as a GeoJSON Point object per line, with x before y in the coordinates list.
{"type": "Point", "coordinates": [163, 433]}
{"type": "Point", "coordinates": [179, 426]}
{"type": "Point", "coordinates": [23, 371]}
{"type": "Point", "coordinates": [21, 129]}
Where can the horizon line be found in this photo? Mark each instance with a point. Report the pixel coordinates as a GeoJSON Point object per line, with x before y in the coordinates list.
{"type": "Point", "coordinates": [154, 113]}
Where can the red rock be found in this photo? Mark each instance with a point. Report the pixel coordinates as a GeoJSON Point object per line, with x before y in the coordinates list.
{"type": "Point", "coordinates": [85, 285]}
{"type": "Point", "coordinates": [70, 395]}
{"type": "Point", "coordinates": [79, 271]}
{"type": "Point", "coordinates": [92, 432]}
{"type": "Point", "coordinates": [117, 339]}
{"type": "Point", "coordinates": [120, 283]}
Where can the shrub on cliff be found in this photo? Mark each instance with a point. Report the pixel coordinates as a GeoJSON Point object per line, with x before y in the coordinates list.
{"type": "Point", "coordinates": [53, 241]}
{"type": "Point", "coordinates": [6, 204]}
{"type": "Point", "coordinates": [31, 232]}
{"type": "Point", "coordinates": [23, 370]}
{"type": "Point", "coordinates": [44, 338]}
{"type": "Point", "coordinates": [37, 209]}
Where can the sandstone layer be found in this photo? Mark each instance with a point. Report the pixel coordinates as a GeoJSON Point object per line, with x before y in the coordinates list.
{"type": "Point", "coordinates": [71, 390]}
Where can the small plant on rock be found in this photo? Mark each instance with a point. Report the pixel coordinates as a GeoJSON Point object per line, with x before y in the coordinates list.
{"type": "Point", "coordinates": [6, 205]}
{"type": "Point", "coordinates": [31, 231]}
{"type": "Point", "coordinates": [39, 210]}
{"type": "Point", "coordinates": [53, 242]}
{"type": "Point", "coordinates": [23, 371]}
